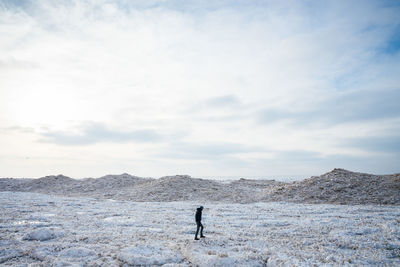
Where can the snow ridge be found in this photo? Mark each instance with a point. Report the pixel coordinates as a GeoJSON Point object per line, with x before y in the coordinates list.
{"type": "Point", "coordinates": [338, 186]}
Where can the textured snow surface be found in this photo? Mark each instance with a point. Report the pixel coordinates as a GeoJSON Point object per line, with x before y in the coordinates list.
{"type": "Point", "coordinates": [65, 231]}
{"type": "Point", "coordinates": [338, 186]}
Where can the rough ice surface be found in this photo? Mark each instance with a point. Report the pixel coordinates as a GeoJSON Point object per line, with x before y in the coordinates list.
{"type": "Point", "coordinates": [67, 231]}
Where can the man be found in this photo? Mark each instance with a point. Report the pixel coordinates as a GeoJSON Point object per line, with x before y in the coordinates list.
{"type": "Point", "coordinates": [198, 222]}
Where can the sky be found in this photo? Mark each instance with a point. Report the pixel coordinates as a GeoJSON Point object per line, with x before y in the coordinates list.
{"type": "Point", "coordinates": [204, 88]}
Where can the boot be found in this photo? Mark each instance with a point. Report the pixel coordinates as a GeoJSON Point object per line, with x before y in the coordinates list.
{"type": "Point", "coordinates": [196, 238]}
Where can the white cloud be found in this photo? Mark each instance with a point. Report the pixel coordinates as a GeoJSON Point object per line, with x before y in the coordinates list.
{"type": "Point", "coordinates": [204, 69]}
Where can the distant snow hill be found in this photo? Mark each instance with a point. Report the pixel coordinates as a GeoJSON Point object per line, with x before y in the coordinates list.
{"type": "Point", "coordinates": [338, 186]}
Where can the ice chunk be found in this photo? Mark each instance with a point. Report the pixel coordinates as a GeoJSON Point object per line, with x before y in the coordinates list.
{"type": "Point", "coordinates": [7, 254]}
{"type": "Point", "coordinates": [41, 234]}
{"type": "Point", "coordinates": [67, 264]}
{"type": "Point", "coordinates": [144, 255]}
{"type": "Point", "coordinates": [42, 253]}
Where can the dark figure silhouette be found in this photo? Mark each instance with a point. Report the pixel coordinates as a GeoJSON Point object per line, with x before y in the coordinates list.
{"type": "Point", "coordinates": [198, 222]}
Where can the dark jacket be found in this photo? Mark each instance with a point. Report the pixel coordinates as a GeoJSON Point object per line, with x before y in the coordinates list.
{"type": "Point", "coordinates": [198, 215]}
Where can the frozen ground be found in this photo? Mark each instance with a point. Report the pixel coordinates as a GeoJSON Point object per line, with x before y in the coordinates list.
{"type": "Point", "coordinates": [43, 230]}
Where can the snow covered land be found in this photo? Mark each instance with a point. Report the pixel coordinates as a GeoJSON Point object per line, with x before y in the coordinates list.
{"type": "Point", "coordinates": [338, 186]}
{"type": "Point", "coordinates": [44, 230]}
{"type": "Point", "coordinates": [340, 218]}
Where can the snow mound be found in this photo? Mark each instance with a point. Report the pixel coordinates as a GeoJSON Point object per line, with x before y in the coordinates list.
{"type": "Point", "coordinates": [144, 255]}
{"type": "Point", "coordinates": [338, 186]}
{"type": "Point", "coordinates": [342, 187]}
{"type": "Point", "coordinates": [41, 234]}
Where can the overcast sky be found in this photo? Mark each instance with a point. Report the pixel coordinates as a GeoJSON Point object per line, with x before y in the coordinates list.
{"type": "Point", "coordinates": [205, 88]}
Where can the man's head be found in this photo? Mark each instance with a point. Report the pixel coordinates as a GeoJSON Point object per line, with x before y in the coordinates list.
{"type": "Point", "coordinates": [201, 207]}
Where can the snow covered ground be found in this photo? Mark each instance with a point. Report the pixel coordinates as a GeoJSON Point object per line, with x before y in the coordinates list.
{"type": "Point", "coordinates": [43, 230]}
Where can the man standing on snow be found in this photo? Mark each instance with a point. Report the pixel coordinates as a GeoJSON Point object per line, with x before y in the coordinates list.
{"type": "Point", "coordinates": [198, 222]}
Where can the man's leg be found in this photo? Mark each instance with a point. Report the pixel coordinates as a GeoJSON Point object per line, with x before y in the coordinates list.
{"type": "Point", "coordinates": [201, 230]}
{"type": "Point", "coordinates": [197, 231]}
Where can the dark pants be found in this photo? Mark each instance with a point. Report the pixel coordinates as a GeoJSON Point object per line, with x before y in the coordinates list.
{"type": "Point", "coordinates": [199, 226]}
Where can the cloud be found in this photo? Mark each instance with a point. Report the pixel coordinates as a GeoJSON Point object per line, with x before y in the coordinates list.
{"type": "Point", "coordinates": [220, 151]}
{"type": "Point", "coordinates": [237, 82]}
{"type": "Point", "coordinates": [17, 129]}
{"type": "Point", "coordinates": [221, 101]}
{"type": "Point", "coordinates": [376, 144]}
{"type": "Point", "coordinates": [392, 45]}
{"type": "Point", "coordinates": [222, 108]}
{"type": "Point", "coordinates": [344, 107]}
{"type": "Point", "coordinates": [12, 63]}
{"type": "Point", "coordinates": [93, 133]}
